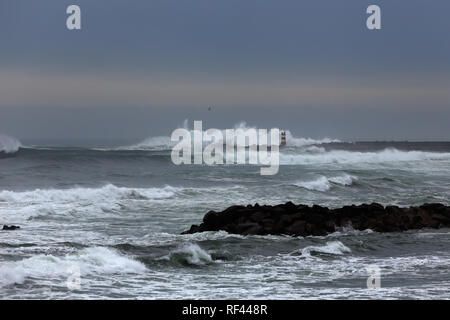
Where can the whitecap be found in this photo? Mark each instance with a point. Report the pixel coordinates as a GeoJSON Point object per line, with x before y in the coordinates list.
{"type": "Point", "coordinates": [191, 254]}
{"type": "Point", "coordinates": [104, 193]}
{"type": "Point", "coordinates": [323, 183]}
{"type": "Point", "coordinates": [94, 260]}
{"type": "Point", "coordinates": [331, 247]}
{"type": "Point", "coordinates": [165, 143]}
{"type": "Point", "coordinates": [319, 184]}
{"type": "Point", "coordinates": [388, 155]}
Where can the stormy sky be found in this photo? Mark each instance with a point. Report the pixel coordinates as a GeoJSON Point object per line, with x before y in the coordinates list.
{"type": "Point", "coordinates": [139, 68]}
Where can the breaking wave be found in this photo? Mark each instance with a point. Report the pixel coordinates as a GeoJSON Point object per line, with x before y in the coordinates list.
{"type": "Point", "coordinates": [323, 183]}
{"type": "Point", "coordinates": [150, 144]}
{"type": "Point", "coordinates": [302, 142]}
{"type": "Point", "coordinates": [330, 248]}
{"type": "Point", "coordinates": [94, 260]}
{"type": "Point", "coordinates": [108, 199]}
{"type": "Point", "coordinates": [190, 254]}
{"type": "Point", "coordinates": [307, 151]}
{"type": "Point", "coordinates": [9, 144]}
{"type": "Point", "coordinates": [165, 143]}
{"type": "Point", "coordinates": [103, 194]}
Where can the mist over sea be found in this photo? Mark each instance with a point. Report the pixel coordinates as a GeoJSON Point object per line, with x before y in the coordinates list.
{"type": "Point", "coordinates": [116, 213]}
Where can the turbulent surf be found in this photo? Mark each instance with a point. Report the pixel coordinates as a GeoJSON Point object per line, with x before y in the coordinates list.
{"type": "Point", "coordinates": [117, 214]}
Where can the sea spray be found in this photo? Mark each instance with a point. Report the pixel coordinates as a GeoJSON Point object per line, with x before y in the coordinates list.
{"type": "Point", "coordinates": [9, 144]}
{"type": "Point", "coordinates": [165, 143]}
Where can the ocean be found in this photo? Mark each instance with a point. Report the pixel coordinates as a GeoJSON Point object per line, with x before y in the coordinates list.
{"type": "Point", "coordinates": [115, 214]}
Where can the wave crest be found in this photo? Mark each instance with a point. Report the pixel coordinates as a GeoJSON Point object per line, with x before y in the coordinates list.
{"type": "Point", "coordinates": [323, 183]}
{"type": "Point", "coordinates": [190, 254]}
{"type": "Point", "coordinates": [330, 248]}
{"type": "Point", "coordinates": [94, 260]}
{"type": "Point", "coordinates": [85, 194]}
{"type": "Point", "coordinates": [104, 200]}
{"type": "Point", "coordinates": [150, 144]}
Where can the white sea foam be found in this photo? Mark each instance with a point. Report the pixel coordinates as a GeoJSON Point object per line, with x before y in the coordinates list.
{"type": "Point", "coordinates": [331, 247]}
{"type": "Point", "coordinates": [94, 260]}
{"type": "Point", "coordinates": [9, 144]}
{"type": "Point", "coordinates": [344, 180]}
{"type": "Point", "coordinates": [90, 201]}
{"type": "Point", "coordinates": [165, 143]}
{"type": "Point", "coordinates": [109, 200]}
{"type": "Point", "coordinates": [191, 254]}
{"type": "Point", "coordinates": [154, 143]}
{"type": "Point", "coordinates": [323, 183]}
{"type": "Point", "coordinates": [319, 184]}
{"type": "Point", "coordinates": [351, 157]}
{"type": "Point", "coordinates": [307, 151]}
{"type": "Point", "coordinates": [151, 143]}
{"type": "Point", "coordinates": [301, 142]}
{"type": "Point", "coordinates": [102, 194]}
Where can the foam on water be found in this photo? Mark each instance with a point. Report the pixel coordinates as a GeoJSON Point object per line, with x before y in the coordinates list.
{"type": "Point", "coordinates": [165, 143]}
{"type": "Point", "coordinates": [319, 184]}
{"type": "Point", "coordinates": [323, 183]}
{"type": "Point", "coordinates": [305, 151]}
{"type": "Point", "coordinates": [94, 260]}
{"type": "Point", "coordinates": [151, 143]}
{"type": "Point", "coordinates": [190, 254]}
{"type": "Point", "coordinates": [353, 157]}
{"type": "Point", "coordinates": [331, 247]}
{"type": "Point", "coordinates": [301, 142]}
{"type": "Point", "coordinates": [104, 193]}
{"type": "Point", "coordinates": [90, 201]}
{"type": "Point", "coordinates": [77, 226]}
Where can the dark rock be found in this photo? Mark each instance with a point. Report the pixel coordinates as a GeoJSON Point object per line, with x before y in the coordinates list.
{"type": "Point", "coordinates": [434, 207]}
{"type": "Point", "coordinates": [302, 220]}
{"type": "Point", "coordinates": [315, 217]}
{"type": "Point", "coordinates": [298, 228]}
{"type": "Point", "coordinates": [243, 227]}
{"type": "Point", "coordinates": [290, 207]}
{"type": "Point", "coordinates": [442, 219]}
{"type": "Point", "coordinates": [5, 227]}
{"type": "Point", "coordinates": [330, 226]}
{"type": "Point", "coordinates": [256, 229]}
{"type": "Point", "coordinates": [211, 217]}
{"type": "Point", "coordinates": [258, 216]}
{"type": "Point", "coordinates": [194, 229]}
